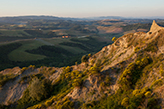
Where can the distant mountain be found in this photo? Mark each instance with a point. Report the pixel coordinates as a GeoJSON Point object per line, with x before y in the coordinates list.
{"type": "Point", "coordinates": [26, 18]}
{"type": "Point", "coordinates": [106, 17]}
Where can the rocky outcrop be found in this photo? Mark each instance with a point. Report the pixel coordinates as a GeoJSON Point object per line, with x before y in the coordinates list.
{"type": "Point", "coordinates": [155, 27]}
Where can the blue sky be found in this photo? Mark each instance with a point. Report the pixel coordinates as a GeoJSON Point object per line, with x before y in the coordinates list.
{"type": "Point", "coordinates": [82, 8]}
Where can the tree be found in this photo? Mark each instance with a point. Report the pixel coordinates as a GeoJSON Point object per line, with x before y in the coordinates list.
{"type": "Point", "coordinates": [37, 90]}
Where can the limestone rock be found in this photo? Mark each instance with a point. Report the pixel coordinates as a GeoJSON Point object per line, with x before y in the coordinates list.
{"type": "Point", "coordinates": [155, 27]}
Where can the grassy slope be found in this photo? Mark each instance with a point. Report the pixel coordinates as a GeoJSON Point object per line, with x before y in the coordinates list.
{"type": "Point", "coordinates": [57, 41]}
{"type": "Point", "coordinates": [20, 54]}
{"type": "Point", "coordinates": [16, 33]}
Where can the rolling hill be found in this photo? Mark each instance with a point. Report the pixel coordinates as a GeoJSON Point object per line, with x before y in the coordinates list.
{"type": "Point", "coordinates": [128, 74]}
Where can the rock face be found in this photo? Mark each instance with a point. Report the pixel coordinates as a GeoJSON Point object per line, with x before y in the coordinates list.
{"type": "Point", "coordinates": [155, 27]}
{"type": "Point", "coordinates": [13, 89]}
{"type": "Point", "coordinates": [124, 50]}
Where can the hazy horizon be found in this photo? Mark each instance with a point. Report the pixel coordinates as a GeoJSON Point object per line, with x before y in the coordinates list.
{"type": "Point", "coordinates": [82, 9]}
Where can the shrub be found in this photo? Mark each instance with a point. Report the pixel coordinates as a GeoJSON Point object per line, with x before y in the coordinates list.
{"type": "Point", "coordinates": [5, 78]}
{"type": "Point", "coordinates": [92, 62]}
{"type": "Point", "coordinates": [107, 79]}
{"type": "Point", "coordinates": [114, 39]}
{"type": "Point", "coordinates": [158, 82]}
{"type": "Point", "coordinates": [23, 69]}
{"type": "Point", "coordinates": [151, 47]}
{"type": "Point", "coordinates": [102, 84]}
{"type": "Point", "coordinates": [32, 66]}
{"type": "Point", "coordinates": [125, 102]}
{"type": "Point", "coordinates": [54, 98]}
{"type": "Point", "coordinates": [64, 104]}
{"type": "Point", "coordinates": [144, 90]}
{"type": "Point", "coordinates": [136, 92]}
{"type": "Point", "coordinates": [137, 49]}
{"type": "Point", "coordinates": [77, 83]}
{"type": "Point", "coordinates": [132, 73]}
{"type": "Point", "coordinates": [95, 69]}
{"type": "Point", "coordinates": [38, 106]}
{"type": "Point", "coordinates": [161, 72]}
{"type": "Point", "coordinates": [84, 58]}
{"type": "Point", "coordinates": [89, 55]}
{"type": "Point", "coordinates": [148, 94]}
{"type": "Point", "coordinates": [153, 103]}
{"type": "Point", "coordinates": [48, 103]}
{"type": "Point", "coordinates": [38, 90]}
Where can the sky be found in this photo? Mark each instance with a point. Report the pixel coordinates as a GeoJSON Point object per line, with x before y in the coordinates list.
{"type": "Point", "coordinates": [82, 8]}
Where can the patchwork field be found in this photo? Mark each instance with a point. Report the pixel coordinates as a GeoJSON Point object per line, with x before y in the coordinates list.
{"type": "Point", "coordinates": [44, 42]}
{"type": "Point", "coordinates": [49, 51]}
{"type": "Point", "coordinates": [16, 33]}
{"type": "Point", "coordinates": [20, 53]}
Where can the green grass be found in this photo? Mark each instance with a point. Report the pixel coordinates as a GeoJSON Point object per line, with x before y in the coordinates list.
{"type": "Point", "coordinates": [57, 41]}
{"type": "Point", "coordinates": [20, 54]}
{"type": "Point", "coordinates": [74, 50]}
{"type": "Point", "coordinates": [17, 33]}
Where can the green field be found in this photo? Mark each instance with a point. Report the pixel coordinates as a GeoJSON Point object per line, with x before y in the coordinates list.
{"type": "Point", "coordinates": [57, 41]}
{"type": "Point", "coordinates": [20, 54]}
{"type": "Point", "coordinates": [49, 51]}
{"type": "Point", "coordinates": [16, 33]}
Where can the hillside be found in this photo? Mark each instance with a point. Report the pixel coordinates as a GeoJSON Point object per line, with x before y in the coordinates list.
{"type": "Point", "coordinates": [129, 74]}
{"type": "Point", "coordinates": [54, 52]}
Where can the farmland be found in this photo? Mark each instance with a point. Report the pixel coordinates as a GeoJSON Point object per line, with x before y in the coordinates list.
{"type": "Point", "coordinates": [58, 42]}
{"type": "Point", "coordinates": [51, 51]}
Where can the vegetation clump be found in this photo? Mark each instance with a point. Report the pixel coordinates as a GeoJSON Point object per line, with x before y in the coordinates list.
{"type": "Point", "coordinates": [6, 77]}
{"type": "Point", "coordinates": [114, 39]}
{"type": "Point", "coordinates": [151, 47]}
{"type": "Point", "coordinates": [37, 91]}
{"type": "Point", "coordinates": [85, 58]}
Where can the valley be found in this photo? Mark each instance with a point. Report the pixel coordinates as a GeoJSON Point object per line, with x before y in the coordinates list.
{"type": "Point", "coordinates": [82, 64]}
{"type": "Point", "coordinates": [79, 37]}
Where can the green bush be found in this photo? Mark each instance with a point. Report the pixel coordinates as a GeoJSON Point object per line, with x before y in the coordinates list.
{"type": "Point", "coordinates": [84, 58]}
{"type": "Point", "coordinates": [137, 49]}
{"type": "Point", "coordinates": [151, 47]}
{"type": "Point", "coordinates": [136, 92]}
{"type": "Point", "coordinates": [158, 82]}
{"type": "Point", "coordinates": [161, 72]}
{"type": "Point", "coordinates": [95, 69]}
{"type": "Point", "coordinates": [38, 89]}
{"type": "Point", "coordinates": [153, 103]}
{"type": "Point", "coordinates": [77, 83]}
{"type": "Point", "coordinates": [66, 103]}
{"type": "Point", "coordinates": [114, 39]}
{"type": "Point", "coordinates": [38, 106]}
{"type": "Point", "coordinates": [125, 102]}
{"type": "Point", "coordinates": [48, 103]}
{"type": "Point", "coordinates": [148, 94]}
